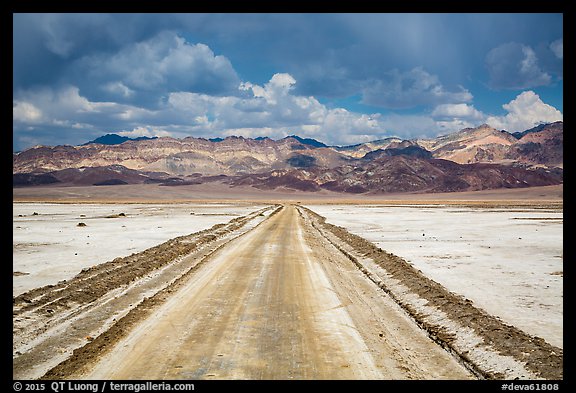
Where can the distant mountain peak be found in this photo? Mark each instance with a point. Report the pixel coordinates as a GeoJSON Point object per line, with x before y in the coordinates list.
{"type": "Point", "coordinates": [307, 141]}
{"type": "Point", "coordinates": [115, 139]}
{"type": "Point", "coordinates": [538, 128]}
{"type": "Point", "coordinates": [485, 125]}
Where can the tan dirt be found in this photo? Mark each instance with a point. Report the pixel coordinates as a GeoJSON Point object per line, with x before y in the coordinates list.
{"type": "Point", "coordinates": [213, 192]}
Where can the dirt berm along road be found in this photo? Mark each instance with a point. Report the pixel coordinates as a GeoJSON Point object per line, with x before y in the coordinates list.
{"type": "Point", "coordinates": [274, 297]}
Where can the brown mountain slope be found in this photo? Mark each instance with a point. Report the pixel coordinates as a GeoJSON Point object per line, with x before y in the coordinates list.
{"type": "Point", "coordinates": [403, 174]}
{"type": "Point", "coordinates": [481, 144]}
{"type": "Point", "coordinates": [233, 155]}
{"type": "Point", "coordinates": [540, 146]}
{"type": "Point", "coordinates": [238, 155]}
{"type": "Point", "coordinates": [545, 147]}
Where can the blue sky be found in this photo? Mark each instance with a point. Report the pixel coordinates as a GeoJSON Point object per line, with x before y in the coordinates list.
{"type": "Point", "coordinates": [340, 78]}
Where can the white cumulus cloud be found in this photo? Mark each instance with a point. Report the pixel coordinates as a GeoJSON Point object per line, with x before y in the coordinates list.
{"type": "Point", "coordinates": [527, 110]}
{"type": "Point", "coordinates": [67, 107]}
{"type": "Point", "coordinates": [273, 110]}
{"type": "Point", "coordinates": [144, 131]}
{"type": "Point", "coordinates": [165, 62]}
{"type": "Point", "coordinates": [26, 112]}
{"type": "Point", "coordinates": [457, 110]}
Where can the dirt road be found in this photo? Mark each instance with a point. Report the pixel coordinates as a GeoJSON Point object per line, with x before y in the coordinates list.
{"type": "Point", "coordinates": [278, 303]}
{"type": "Point", "coordinates": [276, 294]}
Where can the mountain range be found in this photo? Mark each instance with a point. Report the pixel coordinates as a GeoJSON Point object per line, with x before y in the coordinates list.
{"type": "Point", "coordinates": [470, 159]}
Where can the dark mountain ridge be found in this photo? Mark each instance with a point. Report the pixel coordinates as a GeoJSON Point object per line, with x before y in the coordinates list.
{"type": "Point", "coordinates": [115, 139]}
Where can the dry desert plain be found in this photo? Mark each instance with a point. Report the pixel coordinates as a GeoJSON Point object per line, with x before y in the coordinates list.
{"type": "Point", "coordinates": [214, 283]}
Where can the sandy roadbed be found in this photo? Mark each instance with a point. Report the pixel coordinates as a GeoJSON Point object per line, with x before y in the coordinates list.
{"type": "Point", "coordinates": [266, 296]}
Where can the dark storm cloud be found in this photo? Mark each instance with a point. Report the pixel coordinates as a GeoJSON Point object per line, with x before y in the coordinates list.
{"type": "Point", "coordinates": [146, 71]}
{"type": "Point", "coordinates": [77, 76]}
{"type": "Point", "coordinates": [515, 66]}
{"type": "Point", "coordinates": [331, 55]}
